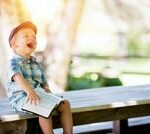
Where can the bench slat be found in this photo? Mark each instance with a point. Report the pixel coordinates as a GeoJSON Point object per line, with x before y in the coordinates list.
{"type": "Point", "coordinates": [93, 99]}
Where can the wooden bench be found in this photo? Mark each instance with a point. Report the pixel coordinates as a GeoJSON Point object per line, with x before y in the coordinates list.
{"type": "Point", "coordinates": [116, 104]}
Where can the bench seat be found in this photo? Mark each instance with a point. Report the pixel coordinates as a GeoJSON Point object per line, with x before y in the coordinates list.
{"type": "Point", "coordinates": [116, 104]}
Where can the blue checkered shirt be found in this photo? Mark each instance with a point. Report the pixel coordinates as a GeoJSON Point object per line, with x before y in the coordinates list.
{"type": "Point", "coordinates": [30, 69]}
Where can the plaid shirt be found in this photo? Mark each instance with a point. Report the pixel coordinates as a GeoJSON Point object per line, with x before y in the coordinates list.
{"type": "Point", "coordinates": [30, 69]}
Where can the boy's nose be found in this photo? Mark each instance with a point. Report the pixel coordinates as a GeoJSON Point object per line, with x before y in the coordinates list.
{"type": "Point", "coordinates": [32, 39]}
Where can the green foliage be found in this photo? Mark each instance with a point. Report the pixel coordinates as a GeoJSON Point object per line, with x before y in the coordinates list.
{"type": "Point", "coordinates": [111, 82]}
{"type": "Point", "coordinates": [88, 81]}
{"type": "Point", "coordinates": [133, 40]}
{"type": "Point", "coordinates": [138, 43]}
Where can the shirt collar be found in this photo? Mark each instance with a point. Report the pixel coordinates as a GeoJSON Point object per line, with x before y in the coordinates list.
{"type": "Point", "coordinates": [24, 59]}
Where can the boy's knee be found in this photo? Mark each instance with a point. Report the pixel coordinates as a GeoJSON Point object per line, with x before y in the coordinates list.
{"type": "Point", "coordinates": [64, 106]}
{"type": "Point", "coordinates": [66, 103]}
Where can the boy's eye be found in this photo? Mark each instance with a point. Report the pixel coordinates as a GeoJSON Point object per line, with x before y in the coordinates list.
{"type": "Point", "coordinates": [34, 37]}
{"type": "Point", "coordinates": [30, 36]}
{"type": "Point", "coordinates": [26, 36]}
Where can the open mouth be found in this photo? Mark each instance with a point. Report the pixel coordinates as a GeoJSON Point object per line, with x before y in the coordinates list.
{"type": "Point", "coordinates": [30, 45]}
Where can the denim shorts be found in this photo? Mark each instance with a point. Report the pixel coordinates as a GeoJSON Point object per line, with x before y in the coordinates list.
{"type": "Point", "coordinates": [19, 105]}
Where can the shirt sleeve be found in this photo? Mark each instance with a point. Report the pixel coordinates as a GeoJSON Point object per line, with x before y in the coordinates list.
{"type": "Point", "coordinates": [13, 69]}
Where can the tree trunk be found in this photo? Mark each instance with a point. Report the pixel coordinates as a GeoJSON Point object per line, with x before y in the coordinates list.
{"type": "Point", "coordinates": [60, 43]}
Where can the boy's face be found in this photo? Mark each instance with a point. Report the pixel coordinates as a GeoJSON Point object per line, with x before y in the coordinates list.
{"type": "Point", "coordinates": [24, 42]}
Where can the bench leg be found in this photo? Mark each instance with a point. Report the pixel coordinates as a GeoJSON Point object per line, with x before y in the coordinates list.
{"type": "Point", "coordinates": [120, 126]}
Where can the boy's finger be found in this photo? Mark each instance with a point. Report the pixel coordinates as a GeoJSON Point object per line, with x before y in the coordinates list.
{"type": "Point", "coordinates": [27, 100]}
{"type": "Point", "coordinates": [37, 100]}
{"type": "Point", "coordinates": [38, 97]}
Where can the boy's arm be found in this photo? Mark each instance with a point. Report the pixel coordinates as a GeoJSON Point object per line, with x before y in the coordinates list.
{"type": "Point", "coordinates": [25, 86]}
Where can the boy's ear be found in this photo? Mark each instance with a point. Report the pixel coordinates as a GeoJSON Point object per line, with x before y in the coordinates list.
{"type": "Point", "coordinates": [12, 42]}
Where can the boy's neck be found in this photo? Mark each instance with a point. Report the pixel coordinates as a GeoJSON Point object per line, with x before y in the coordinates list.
{"type": "Point", "coordinates": [24, 56]}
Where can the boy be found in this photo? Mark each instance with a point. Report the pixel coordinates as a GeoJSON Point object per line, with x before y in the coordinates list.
{"type": "Point", "coordinates": [25, 74]}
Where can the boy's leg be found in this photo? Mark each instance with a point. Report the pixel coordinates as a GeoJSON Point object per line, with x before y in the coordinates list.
{"type": "Point", "coordinates": [66, 117]}
{"type": "Point", "coordinates": [46, 125]}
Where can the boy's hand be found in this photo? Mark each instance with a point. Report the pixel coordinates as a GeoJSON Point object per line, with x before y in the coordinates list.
{"type": "Point", "coordinates": [33, 98]}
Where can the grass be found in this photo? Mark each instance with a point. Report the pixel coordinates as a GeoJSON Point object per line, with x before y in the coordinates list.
{"type": "Point", "coordinates": [130, 71]}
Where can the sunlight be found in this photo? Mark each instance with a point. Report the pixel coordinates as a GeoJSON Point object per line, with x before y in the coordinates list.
{"type": "Point", "coordinates": [44, 11]}
{"type": "Point", "coordinates": [126, 103]}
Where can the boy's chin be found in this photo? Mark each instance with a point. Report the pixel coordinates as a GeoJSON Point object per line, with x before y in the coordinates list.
{"type": "Point", "coordinates": [30, 50]}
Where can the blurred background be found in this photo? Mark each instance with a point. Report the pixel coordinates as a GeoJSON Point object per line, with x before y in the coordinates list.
{"type": "Point", "coordinates": [83, 43]}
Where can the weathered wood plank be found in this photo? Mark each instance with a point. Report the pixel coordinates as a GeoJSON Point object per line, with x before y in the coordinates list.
{"type": "Point", "coordinates": [107, 115]}
{"type": "Point", "coordinates": [109, 98]}
{"type": "Point", "coordinates": [120, 127]}
{"type": "Point", "coordinates": [95, 105]}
